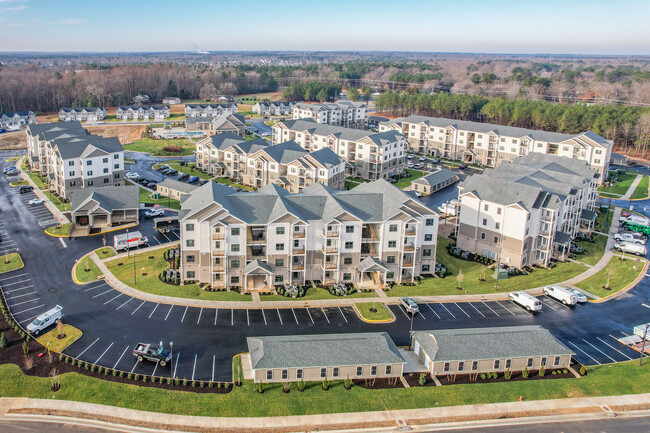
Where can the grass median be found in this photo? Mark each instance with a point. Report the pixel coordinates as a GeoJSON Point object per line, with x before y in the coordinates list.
{"type": "Point", "coordinates": [415, 174]}
{"type": "Point", "coordinates": [373, 311]}
{"type": "Point", "coordinates": [641, 191]}
{"type": "Point", "coordinates": [617, 275]}
{"type": "Point", "coordinates": [188, 168]}
{"type": "Point", "coordinates": [86, 270]}
{"type": "Point", "coordinates": [146, 196]}
{"type": "Point", "coordinates": [245, 401]}
{"type": "Point", "coordinates": [56, 344]}
{"type": "Point", "coordinates": [157, 147]}
{"type": "Point", "coordinates": [10, 262]}
{"type": "Point", "coordinates": [63, 230]}
{"type": "Point", "coordinates": [233, 184]}
{"type": "Point", "coordinates": [621, 186]}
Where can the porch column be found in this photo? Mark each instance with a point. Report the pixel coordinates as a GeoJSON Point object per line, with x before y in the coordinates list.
{"type": "Point", "coordinates": [245, 282]}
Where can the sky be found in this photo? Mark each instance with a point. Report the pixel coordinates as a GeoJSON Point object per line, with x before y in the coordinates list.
{"type": "Point", "coordinates": [497, 26]}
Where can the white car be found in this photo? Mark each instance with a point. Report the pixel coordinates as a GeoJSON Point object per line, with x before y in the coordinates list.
{"type": "Point", "coordinates": [629, 237]}
{"type": "Point", "coordinates": [131, 175]}
{"type": "Point", "coordinates": [37, 201]}
{"type": "Point", "coordinates": [409, 305]}
{"type": "Point", "coordinates": [423, 158]}
{"type": "Point", "coordinates": [417, 193]}
{"type": "Point", "coordinates": [154, 213]}
{"type": "Point", "coordinates": [410, 156]}
{"type": "Point", "coordinates": [629, 248]}
{"type": "Point", "coordinates": [579, 296]}
{"type": "Point", "coordinates": [561, 294]}
{"type": "Point", "coordinates": [410, 165]}
{"type": "Point", "coordinates": [529, 302]}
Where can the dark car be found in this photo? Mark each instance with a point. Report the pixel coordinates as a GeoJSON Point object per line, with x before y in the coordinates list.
{"type": "Point", "coordinates": [162, 168]}
{"type": "Point", "coordinates": [194, 179]}
{"type": "Point", "coordinates": [435, 160]}
{"type": "Point", "coordinates": [25, 188]}
{"type": "Point", "coordinates": [203, 182]}
{"type": "Point", "coordinates": [171, 172]}
{"type": "Point", "coordinates": [463, 166]}
{"type": "Point", "coordinates": [183, 176]}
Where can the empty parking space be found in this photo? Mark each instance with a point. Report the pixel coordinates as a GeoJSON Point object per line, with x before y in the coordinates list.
{"type": "Point", "coordinates": [597, 350]}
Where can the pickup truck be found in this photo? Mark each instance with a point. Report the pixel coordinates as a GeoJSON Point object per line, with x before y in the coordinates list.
{"type": "Point", "coordinates": [50, 317]}
{"type": "Point", "coordinates": [154, 213]}
{"type": "Point", "coordinates": [150, 352]}
{"type": "Point", "coordinates": [635, 219]}
{"type": "Point", "coordinates": [529, 302]}
{"type": "Point", "coordinates": [561, 294]}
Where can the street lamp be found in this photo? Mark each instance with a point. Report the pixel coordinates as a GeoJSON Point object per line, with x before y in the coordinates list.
{"type": "Point", "coordinates": [127, 242]}
{"type": "Point", "coordinates": [645, 334]}
{"type": "Point", "coordinates": [411, 332]}
{"type": "Point", "coordinates": [171, 361]}
{"type": "Point", "coordinates": [134, 282]}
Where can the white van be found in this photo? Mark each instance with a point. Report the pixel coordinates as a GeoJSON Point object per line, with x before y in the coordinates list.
{"type": "Point", "coordinates": [448, 208]}
{"type": "Point", "coordinates": [629, 238]}
{"type": "Point", "coordinates": [629, 248]}
{"type": "Point", "coordinates": [529, 302]}
{"type": "Point", "coordinates": [635, 219]}
{"type": "Point", "coordinates": [129, 240]}
{"type": "Point", "coordinates": [46, 319]}
{"type": "Point", "coordinates": [561, 294]}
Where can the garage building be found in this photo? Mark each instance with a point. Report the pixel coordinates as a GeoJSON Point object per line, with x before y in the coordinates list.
{"type": "Point", "coordinates": [98, 209]}
{"type": "Point", "coordinates": [174, 188]}
{"type": "Point", "coordinates": [433, 182]}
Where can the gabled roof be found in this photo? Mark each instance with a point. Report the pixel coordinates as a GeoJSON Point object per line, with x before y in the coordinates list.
{"type": "Point", "coordinates": [176, 185]}
{"type": "Point", "coordinates": [258, 267]}
{"type": "Point", "coordinates": [36, 129]}
{"type": "Point", "coordinates": [233, 119]}
{"type": "Point", "coordinates": [372, 264]}
{"type": "Point", "coordinates": [109, 198]}
{"type": "Point", "coordinates": [84, 146]}
{"type": "Point", "coordinates": [286, 152]}
{"type": "Point", "coordinates": [437, 177]}
{"type": "Point", "coordinates": [326, 157]}
{"type": "Point", "coordinates": [322, 129]}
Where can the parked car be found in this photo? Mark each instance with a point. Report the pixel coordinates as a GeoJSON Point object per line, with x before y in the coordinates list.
{"type": "Point", "coordinates": [417, 193]}
{"type": "Point", "coordinates": [629, 237]}
{"type": "Point", "coordinates": [162, 167]}
{"type": "Point", "coordinates": [635, 219]}
{"type": "Point", "coordinates": [131, 175]}
{"type": "Point", "coordinates": [154, 212]}
{"type": "Point", "coordinates": [194, 179]}
{"type": "Point", "coordinates": [561, 294]}
{"type": "Point", "coordinates": [25, 188]}
{"type": "Point", "coordinates": [463, 166]}
{"type": "Point", "coordinates": [529, 302]}
{"type": "Point", "coordinates": [150, 352]}
{"type": "Point", "coordinates": [184, 176]}
{"type": "Point", "coordinates": [171, 172]}
{"type": "Point", "coordinates": [37, 201]}
{"type": "Point", "coordinates": [579, 295]}
{"type": "Point", "coordinates": [630, 248]}
{"type": "Point", "coordinates": [203, 182]}
{"type": "Point", "coordinates": [50, 317]}
{"type": "Point", "coordinates": [410, 165]}
{"type": "Point", "coordinates": [409, 305]}
{"type": "Point", "coordinates": [6, 169]}
{"type": "Point", "coordinates": [11, 173]}
{"type": "Point", "coordinates": [410, 156]}
{"type": "Point", "coordinates": [435, 160]}
{"type": "Point", "coordinates": [422, 158]}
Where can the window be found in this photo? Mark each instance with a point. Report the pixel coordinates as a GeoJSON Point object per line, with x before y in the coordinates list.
{"type": "Point", "coordinates": [189, 227]}
{"type": "Point", "coordinates": [426, 252]}
{"type": "Point", "coordinates": [425, 268]}
{"type": "Point", "coordinates": [392, 244]}
{"type": "Point", "coordinates": [349, 245]}
{"type": "Point", "coordinates": [484, 221]}
{"type": "Point", "coordinates": [89, 162]}
{"type": "Point", "coordinates": [106, 170]}
{"type": "Point", "coordinates": [496, 239]}
{"type": "Point", "coordinates": [474, 365]}
{"type": "Point", "coordinates": [429, 222]}
{"type": "Point", "coordinates": [446, 366]}
{"type": "Point", "coordinates": [234, 248]}
{"type": "Point", "coordinates": [497, 364]}
{"type": "Point", "coordinates": [189, 243]}
{"type": "Point", "coordinates": [428, 237]}
{"type": "Point", "coordinates": [279, 278]}
{"type": "Point", "coordinates": [347, 260]}
{"type": "Point", "coordinates": [116, 175]}
{"type": "Point", "coordinates": [234, 280]}
{"type": "Point", "coordinates": [390, 259]}
{"type": "Point", "coordinates": [299, 373]}
{"type": "Point", "coordinates": [71, 173]}
{"type": "Point", "coordinates": [497, 226]}
{"type": "Point", "coordinates": [285, 374]}
{"type": "Point", "coordinates": [279, 230]}
{"type": "Point", "coordinates": [556, 361]}
{"type": "Point", "coordinates": [373, 370]}
{"type": "Point", "coordinates": [461, 366]}
{"type": "Point", "coordinates": [279, 262]}
{"type": "Point", "coordinates": [89, 172]}
{"type": "Point", "coordinates": [498, 211]}
{"type": "Point", "coordinates": [529, 364]}
{"type": "Point", "coordinates": [392, 228]}
{"type": "Point", "coordinates": [508, 363]}
{"type": "Point", "coordinates": [189, 259]}
{"type": "Point", "coordinates": [349, 229]}
{"type": "Point", "coordinates": [105, 160]}
{"type": "Point", "coordinates": [389, 369]}
{"type": "Point", "coordinates": [70, 163]}
{"type": "Point", "coordinates": [279, 247]}
{"type": "Point", "coordinates": [359, 371]}
{"type": "Point", "coordinates": [485, 207]}
{"type": "Point", "coordinates": [73, 183]}
{"type": "Point", "coordinates": [323, 372]}
{"type": "Point", "coordinates": [234, 231]}
{"type": "Point", "coordinates": [269, 374]}
{"type": "Point", "coordinates": [234, 263]}
{"type": "Point", "coordinates": [543, 363]}
{"type": "Point", "coordinates": [390, 275]}
{"type": "Point", "coordinates": [483, 235]}
{"type": "Point", "coordinates": [335, 372]}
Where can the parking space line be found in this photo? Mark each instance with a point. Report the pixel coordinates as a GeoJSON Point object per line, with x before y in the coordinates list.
{"type": "Point", "coordinates": [157, 240]}
{"type": "Point", "coordinates": [456, 304]}
{"type": "Point", "coordinates": [549, 306]}
{"type": "Point", "coordinates": [18, 290]}
{"type": "Point", "coordinates": [194, 368]}
{"type": "Point", "coordinates": [26, 302]}
{"type": "Point", "coordinates": [155, 367]}
{"type": "Point", "coordinates": [422, 315]}
{"type": "Point", "coordinates": [491, 309]}
{"type": "Point", "coordinates": [399, 307]}
{"type": "Point", "coordinates": [170, 310]}
{"type": "Point", "coordinates": [432, 310]}
{"type": "Point", "coordinates": [344, 318]}
{"type": "Point", "coordinates": [168, 240]}
{"type": "Point", "coordinates": [104, 352]}
{"type": "Point", "coordinates": [29, 320]}
{"type": "Point", "coordinates": [153, 311]}
{"type": "Point", "coordinates": [216, 314]}
{"type": "Point", "coordinates": [176, 365]}
{"type": "Point", "coordinates": [325, 314]}
{"type": "Point", "coordinates": [477, 310]}
{"type": "Point", "coordinates": [29, 309]}
{"type": "Point", "coordinates": [507, 309]}
{"type": "Point", "coordinates": [310, 318]}
{"type": "Point", "coordinates": [294, 316]}
{"type": "Point", "coordinates": [143, 302]}
{"type": "Point", "coordinates": [199, 319]}
{"type": "Point", "coordinates": [93, 288]}
{"type": "Point", "coordinates": [184, 313]}
{"type": "Point", "coordinates": [248, 319]}
{"type": "Point", "coordinates": [103, 293]}
{"type": "Point", "coordinates": [613, 348]}
{"type": "Point", "coordinates": [585, 353]}
{"type": "Point", "coordinates": [279, 316]}
{"type": "Point", "coordinates": [134, 365]}
{"type": "Point", "coordinates": [84, 351]}
{"type": "Point", "coordinates": [120, 358]}
{"type": "Point", "coordinates": [13, 276]}
{"type": "Point", "coordinates": [443, 306]}
{"type": "Point", "coordinates": [264, 317]}
{"type": "Point", "coordinates": [613, 360]}
{"type": "Point", "coordinates": [127, 301]}
{"type": "Point", "coordinates": [17, 282]}
{"type": "Point", "coordinates": [212, 368]}
{"type": "Point", "coordinates": [120, 294]}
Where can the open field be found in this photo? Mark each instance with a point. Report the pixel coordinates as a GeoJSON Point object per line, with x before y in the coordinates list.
{"type": "Point", "coordinates": [156, 147]}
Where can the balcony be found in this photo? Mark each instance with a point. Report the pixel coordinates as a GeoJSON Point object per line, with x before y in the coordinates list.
{"type": "Point", "coordinates": [331, 265]}
{"type": "Point", "coordinates": [298, 250]}
{"type": "Point", "coordinates": [218, 236]}
{"type": "Point", "coordinates": [218, 268]}
{"type": "Point", "coordinates": [407, 264]}
{"type": "Point", "coordinates": [219, 252]}
{"type": "Point", "coordinates": [332, 249]}
{"type": "Point", "coordinates": [369, 234]}
{"type": "Point", "coordinates": [256, 252]}
{"type": "Point", "coordinates": [332, 234]}
{"type": "Point", "coordinates": [409, 247]}
{"type": "Point", "coordinates": [256, 236]}
{"type": "Point", "coordinates": [409, 231]}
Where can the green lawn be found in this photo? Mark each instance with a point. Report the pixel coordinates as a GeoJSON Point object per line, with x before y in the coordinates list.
{"type": "Point", "coordinates": [155, 147]}
{"type": "Point", "coordinates": [233, 184]}
{"type": "Point", "coordinates": [189, 169]}
{"type": "Point", "coordinates": [381, 312]}
{"type": "Point", "coordinates": [403, 183]}
{"type": "Point", "coordinates": [13, 158]}
{"type": "Point", "coordinates": [621, 274]}
{"type": "Point", "coordinates": [72, 334]}
{"type": "Point", "coordinates": [641, 190]}
{"type": "Point", "coordinates": [473, 270]}
{"type": "Point", "coordinates": [64, 230]}
{"type": "Point", "coordinates": [245, 401]}
{"type": "Point", "coordinates": [93, 271]}
{"type": "Point", "coordinates": [606, 195]}
{"type": "Point", "coordinates": [349, 184]}
{"type": "Point", "coordinates": [18, 183]}
{"type": "Point", "coordinates": [145, 197]}
{"type": "Point", "coordinates": [594, 250]}
{"type": "Point", "coordinates": [10, 262]}
{"type": "Point", "coordinates": [620, 187]}
{"type": "Point", "coordinates": [41, 184]}
{"type": "Point", "coordinates": [603, 220]}
{"type": "Point", "coordinates": [314, 294]}
{"type": "Point", "coordinates": [150, 282]}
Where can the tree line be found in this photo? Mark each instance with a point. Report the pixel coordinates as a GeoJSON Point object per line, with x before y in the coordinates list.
{"type": "Point", "coordinates": [628, 127]}
{"type": "Point", "coordinates": [312, 91]}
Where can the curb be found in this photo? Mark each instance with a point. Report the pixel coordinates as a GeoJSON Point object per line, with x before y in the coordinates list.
{"type": "Point", "coordinates": [625, 289]}
{"type": "Point", "coordinates": [22, 264]}
{"type": "Point", "coordinates": [115, 229]}
{"type": "Point", "coordinates": [363, 319]}
{"type": "Point", "coordinates": [56, 236]}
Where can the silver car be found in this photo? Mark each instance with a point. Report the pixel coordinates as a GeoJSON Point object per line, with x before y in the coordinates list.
{"type": "Point", "coordinates": [409, 305]}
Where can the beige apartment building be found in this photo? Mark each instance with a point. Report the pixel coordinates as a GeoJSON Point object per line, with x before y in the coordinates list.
{"type": "Point", "coordinates": [369, 155]}
{"type": "Point", "coordinates": [255, 163]}
{"type": "Point", "coordinates": [344, 113]}
{"type": "Point", "coordinates": [490, 144]}
{"type": "Point", "coordinates": [367, 237]}
{"type": "Point", "coordinates": [527, 211]}
{"type": "Point", "coordinates": [40, 135]}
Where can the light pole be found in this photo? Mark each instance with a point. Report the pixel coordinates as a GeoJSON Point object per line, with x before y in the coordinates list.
{"type": "Point", "coordinates": [134, 282]}
{"type": "Point", "coordinates": [645, 334]}
{"type": "Point", "coordinates": [171, 361]}
{"type": "Point", "coordinates": [127, 242]}
{"type": "Point", "coordinates": [411, 332]}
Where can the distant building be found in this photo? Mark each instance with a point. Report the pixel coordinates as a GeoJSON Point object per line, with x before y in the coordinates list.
{"type": "Point", "coordinates": [372, 122]}
{"type": "Point", "coordinates": [225, 99]}
{"type": "Point", "coordinates": [171, 100]}
{"type": "Point", "coordinates": [142, 112]}
{"type": "Point", "coordinates": [17, 118]}
{"type": "Point", "coordinates": [82, 114]}
{"type": "Point", "coordinates": [619, 159]}
{"type": "Point", "coordinates": [433, 182]}
{"type": "Point", "coordinates": [273, 108]}
{"type": "Point", "coordinates": [175, 189]}
{"type": "Point", "coordinates": [344, 113]}
{"type": "Point", "coordinates": [228, 122]}
{"type": "Point", "coordinates": [209, 110]}
{"type": "Point", "coordinates": [141, 99]}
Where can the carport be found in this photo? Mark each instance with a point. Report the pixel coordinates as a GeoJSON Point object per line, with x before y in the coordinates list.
{"type": "Point", "coordinates": [257, 276]}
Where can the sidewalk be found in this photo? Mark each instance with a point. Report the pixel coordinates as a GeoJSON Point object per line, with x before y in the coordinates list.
{"type": "Point", "coordinates": [632, 187]}
{"type": "Point", "coordinates": [21, 408]}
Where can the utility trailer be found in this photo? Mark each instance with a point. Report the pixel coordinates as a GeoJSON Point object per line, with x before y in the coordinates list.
{"type": "Point", "coordinates": [166, 224]}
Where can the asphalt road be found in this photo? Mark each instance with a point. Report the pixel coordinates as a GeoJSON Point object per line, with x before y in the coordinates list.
{"type": "Point", "coordinates": [206, 339]}
{"type": "Point", "coordinates": [144, 163]}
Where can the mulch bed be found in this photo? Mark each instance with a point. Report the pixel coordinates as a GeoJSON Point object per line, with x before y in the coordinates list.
{"type": "Point", "coordinates": [43, 366]}
{"type": "Point", "coordinates": [413, 379]}
{"type": "Point", "coordinates": [379, 383]}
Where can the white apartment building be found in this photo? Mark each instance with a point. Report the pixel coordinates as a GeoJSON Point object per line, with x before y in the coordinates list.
{"type": "Point", "coordinates": [278, 108]}
{"type": "Point", "coordinates": [82, 114]}
{"type": "Point", "coordinates": [38, 136]}
{"type": "Point", "coordinates": [209, 110]}
{"type": "Point", "coordinates": [344, 113]}
{"type": "Point", "coordinates": [490, 144]}
{"type": "Point", "coordinates": [528, 211]}
{"type": "Point", "coordinates": [142, 112]}
{"type": "Point", "coordinates": [369, 155]}
{"type": "Point", "coordinates": [369, 236]}
{"type": "Point", "coordinates": [17, 118]}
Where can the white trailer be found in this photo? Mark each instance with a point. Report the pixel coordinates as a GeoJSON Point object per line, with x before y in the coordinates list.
{"type": "Point", "coordinates": [129, 240]}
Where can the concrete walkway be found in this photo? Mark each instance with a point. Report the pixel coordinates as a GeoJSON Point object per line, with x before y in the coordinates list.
{"type": "Point", "coordinates": [71, 411]}
{"type": "Point", "coordinates": [632, 188]}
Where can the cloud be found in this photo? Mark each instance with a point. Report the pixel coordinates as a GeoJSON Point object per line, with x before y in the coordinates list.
{"type": "Point", "coordinates": [70, 21]}
{"type": "Point", "coordinates": [14, 9]}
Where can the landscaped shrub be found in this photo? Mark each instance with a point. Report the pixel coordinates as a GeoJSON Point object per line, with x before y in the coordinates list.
{"type": "Point", "coordinates": [25, 348]}
{"type": "Point", "coordinates": [114, 373]}
{"type": "Point", "coordinates": [137, 377]}
{"type": "Point", "coordinates": [73, 362]}
{"type": "Point", "coordinates": [507, 375]}
{"type": "Point", "coordinates": [129, 376]}
{"type": "Point", "coordinates": [423, 379]}
{"type": "Point", "coordinates": [193, 384]}
{"type": "Point", "coordinates": [184, 382]}
{"type": "Point", "coordinates": [348, 382]}
{"type": "Point", "coordinates": [226, 385]}
{"type": "Point", "coordinates": [301, 385]}
{"type": "Point", "coordinates": [565, 371]}
{"type": "Point", "coordinates": [144, 379]}
{"type": "Point", "coordinates": [541, 371]}
{"type": "Point", "coordinates": [86, 366]}
{"type": "Point", "coordinates": [106, 370]}
{"type": "Point", "coordinates": [583, 370]}
{"type": "Point", "coordinates": [260, 387]}
{"type": "Point", "coordinates": [4, 341]}
{"type": "Point", "coordinates": [121, 374]}
{"type": "Point", "coordinates": [169, 381]}
{"type": "Point", "coordinates": [177, 381]}
{"type": "Point", "coordinates": [93, 368]}
{"type": "Point", "coordinates": [525, 373]}
{"type": "Point", "coordinates": [482, 376]}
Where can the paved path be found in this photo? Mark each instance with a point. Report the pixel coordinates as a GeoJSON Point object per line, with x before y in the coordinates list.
{"type": "Point", "coordinates": [391, 419]}
{"type": "Point", "coordinates": [632, 187]}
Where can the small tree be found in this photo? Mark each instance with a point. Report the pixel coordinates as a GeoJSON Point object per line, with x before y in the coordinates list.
{"type": "Point", "coordinates": [541, 371]}
{"type": "Point", "coordinates": [459, 278]}
{"type": "Point", "coordinates": [423, 379]}
{"type": "Point", "coordinates": [59, 329]}
{"type": "Point", "coordinates": [285, 387]}
{"type": "Point", "coordinates": [25, 348]}
{"type": "Point", "coordinates": [507, 375]}
{"type": "Point", "coordinates": [301, 385]}
{"type": "Point", "coordinates": [610, 273]}
{"type": "Point", "coordinates": [524, 373]}
{"type": "Point", "coordinates": [54, 380]}
{"type": "Point", "coordinates": [583, 370]}
{"type": "Point", "coordinates": [348, 382]}
{"type": "Point", "coordinates": [4, 341]}
{"type": "Point", "coordinates": [326, 384]}
{"type": "Point", "coordinates": [260, 387]}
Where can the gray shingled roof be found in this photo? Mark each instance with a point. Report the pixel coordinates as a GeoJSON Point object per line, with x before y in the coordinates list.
{"type": "Point", "coordinates": [257, 267]}
{"type": "Point", "coordinates": [108, 197]}
{"type": "Point", "coordinates": [325, 350]}
{"type": "Point", "coordinates": [232, 118]}
{"type": "Point", "coordinates": [302, 125]}
{"type": "Point", "coordinates": [39, 128]}
{"type": "Point", "coordinates": [286, 152]}
{"type": "Point", "coordinates": [84, 146]}
{"type": "Point", "coordinates": [489, 343]}
{"type": "Point", "coordinates": [371, 264]}
{"type": "Point", "coordinates": [183, 187]}
{"type": "Point", "coordinates": [436, 177]}
{"type": "Point", "coordinates": [326, 157]}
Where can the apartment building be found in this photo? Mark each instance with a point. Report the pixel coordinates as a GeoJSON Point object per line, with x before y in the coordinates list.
{"type": "Point", "coordinates": [39, 135]}
{"type": "Point", "coordinates": [368, 236]}
{"type": "Point", "coordinates": [369, 155]}
{"type": "Point", "coordinates": [142, 112]}
{"type": "Point", "coordinates": [209, 110]}
{"type": "Point", "coordinates": [257, 164]}
{"type": "Point", "coordinates": [490, 144]}
{"type": "Point", "coordinates": [17, 118]}
{"type": "Point", "coordinates": [82, 114]}
{"type": "Point", "coordinates": [345, 113]}
{"type": "Point", "coordinates": [171, 100]}
{"type": "Point", "coordinates": [277, 108]}
{"type": "Point", "coordinates": [228, 122]}
{"type": "Point", "coordinates": [527, 211]}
